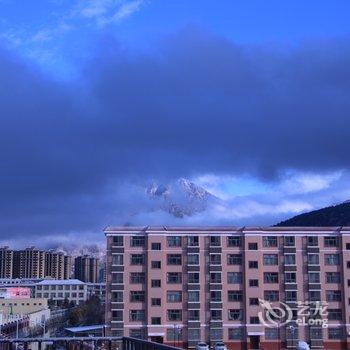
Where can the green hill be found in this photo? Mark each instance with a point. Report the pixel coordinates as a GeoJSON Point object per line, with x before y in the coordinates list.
{"type": "Point", "coordinates": [337, 215]}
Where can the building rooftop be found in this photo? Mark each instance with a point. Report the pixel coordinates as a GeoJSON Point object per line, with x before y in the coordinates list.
{"type": "Point", "coordinates": [60, 282]}
{"type": "Point", "coordinates": [223, 229]}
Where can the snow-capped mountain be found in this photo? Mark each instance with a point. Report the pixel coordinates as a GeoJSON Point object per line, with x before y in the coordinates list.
{"type": "Point", "coordinates": [180, 198]}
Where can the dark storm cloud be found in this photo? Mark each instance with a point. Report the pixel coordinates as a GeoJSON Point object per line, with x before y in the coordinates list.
{"type": "Point", "coordinates": [199, 103]}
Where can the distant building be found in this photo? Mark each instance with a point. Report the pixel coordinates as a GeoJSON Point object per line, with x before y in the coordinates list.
{"type": "Point", "coordinates": [86, 268]}
{"type": "Point", "coordinates": [59, 291]}
{"type": "Point", "coordinates": [6, 262]}
{"type": "Point", "coordinates": [29, 263]}
{"type": "Point", "coordinates": [33, 263]}
{"type": "Point", "coordinates": [57, 265]}
{"type": "Point", "coordinates": [98, 289]}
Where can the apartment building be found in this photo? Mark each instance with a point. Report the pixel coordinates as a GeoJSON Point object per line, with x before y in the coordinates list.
{"type": "Point", "coordinates": [58, 265]}
{"type": "Point", "coordinates": [6, 262]}
{"type": "Point", "coordinates": [182, 285]}
{"type": "Point", "coordinates": [33, 263]}
{"type": "Point", "coordinates": [86, 268]}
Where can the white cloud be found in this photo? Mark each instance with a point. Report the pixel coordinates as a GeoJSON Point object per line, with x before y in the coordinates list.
{"type": "Point", "coordinates": [105, 12]}
{"type": "Point", "coordinates": [299, 183]}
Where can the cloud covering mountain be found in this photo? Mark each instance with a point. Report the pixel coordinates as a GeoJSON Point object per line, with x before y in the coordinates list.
{"type": "Point", "coordinates": [75, 154]}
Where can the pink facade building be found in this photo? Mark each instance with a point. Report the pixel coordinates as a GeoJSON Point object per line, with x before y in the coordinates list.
{"type": "Point", "coordinates": [251, 287]}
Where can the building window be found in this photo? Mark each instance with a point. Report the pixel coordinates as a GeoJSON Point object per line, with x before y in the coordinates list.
{"type": "Point", "coordinates": [269, 241]}
{"type": "Point", "coordinates": [156, 320]}
{"type": "Point", "coordinates": [271, 295]}
{"type": "Point", "coordinates": [335, 333]}
{"type": "Point", "coordinates": [193, 296]}
{"type": "Point", "coordinates": [117, 315]}
{"type": "Point", "coordinates": [270, 277]}
{"type": "Point", "coordinates": [137, 259]}
{"type": "Point", "coordinates": [254, 283]}
{"type": "Point", "coordinates": [117, 259]}
{"type": "Point", "coordinates": [331, 259]}
{"type": "Point", "coordinates": [156, 302]}
{"type": "Point", "coordinates": [235, 333]}
{"type": "Point", "coordinates": [215, 333]}
{"type": "Point", "coordinates": [138, 241]}
{"type": "Point", "coordinates": [234, 241]}
{"type": "Point", "coordinates": [137, 277]}
{"type": "Point", "coordinates": [314, 277]}
{"type": "Point", "coordinates": [316, 333]}
{"type": "Point", "coordinates": [234, 277]}
{"type": "Point", "coordinates": [235, 314]}
{"type": "Point", "coordinates": [156, 264]}
{"type": "Point", "coordinates": [333, 295]}
{"type": "Point", "coordinates": [137, 296]}
{"type": "Point", "coordinates": [174, 259]}
{"type": "Point", "coordinates": [347, 246]}
{"type": "Point", "coordinates": [271, 333]}
{"type": "Point", "coordinates": [174, 334]}
{"type": "Point", "coordinates": [215, 241]}
{"type": "Point", "coordinates": [334, 314]}
{"type": "Point", "coordinates": [193, 259]}
{"type": "Point", "coordinates": [156, 246]}
{"type": "Point", "coordinates": [254, 320]}
{"type": "Point", "coordinates": [174, 241]}
{"type": "Point", "coordinates": [332, 277]}
{"type": "Point", "coordinates": [234, 259]}
{"type": "Point", "coordinates": [137, 315]}
{"type": "Point", "coordinates": [290, 277]}
{"type": "Point", "coordinates": [235, 295]}
{"type": "Point", "coordinates": [174, 277]}
{"type": "Point", "coordinates": [155, 283]}
{"type": "Point", "coordinates": [193, 241]}
{"type": "Point", "coordinates": [215, 277]}
{"type": "Point", "coordinates": [193, 315]}
{"type": "Point", "coordinates": [215, 259]}
{"type": "Point", "coordinates": [174, 296]}
{"type": "Point", "coordinates": [117, 278]}
{"type": "Point", "coordinates": [289, 259]}
{"type": "Point", "coordinates": [117, 297]}
{"type": "Point", "coordinates": [216, 315]}
{"type": "Point", "coordinates": [291, 295]}
{"type": "Point", "coordinates": [253, 301]}
{"type": "Point", "coordinates": [312, 241]}
{"type": "Point", "coordinates": [289, 241]}
{"type": "Point", "coordinates": [313, 259]}
{"type": "Point", "coordinates": [193, 277]}
{"type": "Point", "coordinates": [253, 264]}
{"type": "Point", "coordinates": [174, 315]}
{"type": "Point", "coordinates": [137, 333]}
{"type": "Point", "coordinates": [215, 295]}
{"type": "Point", "coordinates": [331, 242]}
{"type": "Point", "coordinates": [315, 295]}
{"type": "Point", "coordinates": [118, 241]}
{"type": "Point", "coordinates": [270, 259]}
{"type": "Point", "coordinates": [252, 246]}
{"type": "Point", "coordinates": [194, 334]}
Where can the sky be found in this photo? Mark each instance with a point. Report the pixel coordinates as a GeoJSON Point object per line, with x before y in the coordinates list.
{"type": "Point", "coordinates": [247, 99]}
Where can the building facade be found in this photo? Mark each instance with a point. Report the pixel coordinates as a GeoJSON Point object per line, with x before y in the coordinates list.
{"type": "Point", "coordinates": [58, 292]}
{"type": "Point", "coordinates": [250, 287]}
{"type": "Point", "coordinates": [33, 263]}
{"type": "Point", "coordinates": [86, 268]}
{"type": "Point", "coordinates": [6, 262]}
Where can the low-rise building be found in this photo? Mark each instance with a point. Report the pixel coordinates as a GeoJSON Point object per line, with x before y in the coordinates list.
{"type": "Point", "coordinates": [59, 291]}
